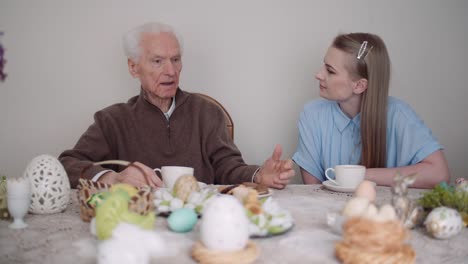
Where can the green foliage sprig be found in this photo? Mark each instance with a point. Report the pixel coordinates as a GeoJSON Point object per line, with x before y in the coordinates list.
{"type": "Point", "coordinates": [443, 195]}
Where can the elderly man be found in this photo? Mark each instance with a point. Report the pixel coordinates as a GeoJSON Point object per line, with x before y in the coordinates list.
{"type": "Point", "coordinates": [164, 125]}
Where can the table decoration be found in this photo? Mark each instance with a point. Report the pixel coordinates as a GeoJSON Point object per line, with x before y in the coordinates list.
{"type": "Point", "coordinates": [369, 241]}
{"type": "Point", "coordinates": [114, 209]}
{"type": "Point", "coordinates": [455, 197]}
{"type": "Point", "coordinates": [273, 220]}
{"type": "Point", "coordinates": [206, 256]}
{"type": "Point", "coordinates": [130, 244]}
{"type": "Point", "coordinates": [50, 186]}
{"type": "Point", "coordinates": [182, 220]}
{"type": "Point", "coordinates": [366, 189]}
{"type": "Point", "coordinates": [4, 214]}
{"type": "Point", "coordinates": [224, 233]}
{"type": "Point", "coordinates": [141, 202]}
{"type": "Point", "coordinates": [266, 217]}
{"type": "Point", "coordinates": [184, 186]}
{"type": "Point", "coordinates": [166, 201]}
{"type": "Point", "coordinates": [53, 238]}
{"type": "Point", "coordinates": [18, 200]}
{"type": "Point", "coordinates": [371, 234]}
{"type": "Point", "coordinates": [443, 222]}
{"type": "Point", "coordinates": [407, 210]}
{"type": "Point", "coordinates": [360, 205]}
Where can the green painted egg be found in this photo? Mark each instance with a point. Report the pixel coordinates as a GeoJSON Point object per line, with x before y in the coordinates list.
{"type": "Point", "coordinates": [182, 220]}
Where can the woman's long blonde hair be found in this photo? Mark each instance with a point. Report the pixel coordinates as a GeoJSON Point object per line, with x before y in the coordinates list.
{"type": "Point", "coordinates": [373, 64]}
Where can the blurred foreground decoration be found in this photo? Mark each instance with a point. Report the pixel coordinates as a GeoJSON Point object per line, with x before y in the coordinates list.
{"type": "Point", "coordinates": [3, 75]}
{"type": "Point", "coordinates": [407, 210]}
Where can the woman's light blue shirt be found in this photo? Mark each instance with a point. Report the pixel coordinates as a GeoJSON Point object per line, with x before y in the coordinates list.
{"type": "Point", "coordinates": [327, 137]}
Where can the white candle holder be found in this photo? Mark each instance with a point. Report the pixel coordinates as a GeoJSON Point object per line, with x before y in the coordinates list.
{"type": "Point", "coordinates": [18, 199]}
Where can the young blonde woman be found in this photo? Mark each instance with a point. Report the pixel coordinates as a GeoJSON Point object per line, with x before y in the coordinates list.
{"type": "Point", "coordinates": [359, 123]}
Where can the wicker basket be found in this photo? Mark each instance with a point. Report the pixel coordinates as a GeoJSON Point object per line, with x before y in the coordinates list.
{"type": "Point", "coordinates": [141, 203]}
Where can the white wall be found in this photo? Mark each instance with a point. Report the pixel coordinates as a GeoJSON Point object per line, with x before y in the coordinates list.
{"type": "Point", "coordinates": [256, 57]}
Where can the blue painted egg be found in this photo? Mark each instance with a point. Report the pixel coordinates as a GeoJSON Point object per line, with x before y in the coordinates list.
{"type": "Point", "coordinates": [182, 220]}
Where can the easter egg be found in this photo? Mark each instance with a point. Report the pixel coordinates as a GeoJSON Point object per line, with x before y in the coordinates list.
{"type": "Point", "coordinates": [224, 225]}
{"type": "Point", "coordinates": [371, 212]}
{"type": "Point", "coordinates": [366, 189]}
{"type": "Point", "coordinates": [443, 222]}
{"type": "Point", "coordinates": [50, 186]}
{"type": "Point", "coordinates": [182, 220]}
{"type": "Point", "coordinates": [184, 186]}
{"type": "Point", "coordinates": [387, 213]}
{"type": "Point", "coordinates": [357, 206]}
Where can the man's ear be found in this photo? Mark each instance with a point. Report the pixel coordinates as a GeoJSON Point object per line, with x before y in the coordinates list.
{"type": "Point", "coordinates": [132, 68]}
{"type": "Point", "coordinates": [361, 86]}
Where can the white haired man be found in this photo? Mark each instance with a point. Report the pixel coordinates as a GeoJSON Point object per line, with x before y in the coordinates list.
{"type": "Point", "coordinates": [164, 125]}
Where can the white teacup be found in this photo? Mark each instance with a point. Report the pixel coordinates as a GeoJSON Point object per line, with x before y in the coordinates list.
{"type": "Point", "coordinates": [170, 174]}
{"type": "Point", "coordinates": [347, 175]}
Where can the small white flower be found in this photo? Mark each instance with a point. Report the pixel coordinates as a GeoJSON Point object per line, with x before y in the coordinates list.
{"type": "Point", "coordinates": [163, 208]}
{"type": "Point", "coordinates": [166, 195]}
{"type": "Point", "coordinates": [262, 220]}
{"type": "Point", "coordinates": [278, 221]}
{"type": "Point", "coordinates": [176, 203]}
{"type": "Point", "coordinates": [195, 198]}
{"type": "Point", "coordinates": [158, 194]}
{"type": "Point", "coordinates": [271, 206]}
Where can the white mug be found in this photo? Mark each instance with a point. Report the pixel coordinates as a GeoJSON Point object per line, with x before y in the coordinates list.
{"type": "Point", "coordinates": [170, 174]}
{"type": "Point", "coordinates": [347, 175]}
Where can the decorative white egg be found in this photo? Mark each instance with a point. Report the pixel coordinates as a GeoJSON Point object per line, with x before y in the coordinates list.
{"type": "Point", "coordinates": [371, 213]}
{"type": "Point", "coordinates": [356, 206]}
{"type": "Point", "coordinates": [366, 189]}
{"type": "Point", "coordinates": [443, 222]}
{"type": "Point", "coordinates": [224, 225]}
{"type": "Point", "coordinates": [387, 213]}
{"type": "Point", "coordinates": [50, 186]}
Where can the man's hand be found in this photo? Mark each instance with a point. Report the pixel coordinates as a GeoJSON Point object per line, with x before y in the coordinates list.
{"type": "Point", "coordinates": [275, 172]}
{"type": "Point", "coordinates": [136, 174]}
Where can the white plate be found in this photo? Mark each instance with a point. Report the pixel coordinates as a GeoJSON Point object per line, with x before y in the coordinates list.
{"type": "Point", "coordinates": [331, 186]}
{"type": "Point", "coordinates": [268, 194]}
{"type": "Point", "coordinates": [202, 185]}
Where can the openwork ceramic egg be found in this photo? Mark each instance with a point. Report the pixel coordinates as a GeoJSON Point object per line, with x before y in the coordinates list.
{"type": "Point", "coordinates": [443, 222]}
{"type": "Point", "coordinates": [224, 225]}
{"type": "Point", "coordinates": [50, 186]}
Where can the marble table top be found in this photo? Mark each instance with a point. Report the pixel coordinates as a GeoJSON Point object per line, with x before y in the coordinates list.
{"type": "Point", "coordinates": [59, 238]}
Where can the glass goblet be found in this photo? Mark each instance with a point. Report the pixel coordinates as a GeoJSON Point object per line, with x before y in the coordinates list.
{"type": "Point", "coordinates": [18, 199]}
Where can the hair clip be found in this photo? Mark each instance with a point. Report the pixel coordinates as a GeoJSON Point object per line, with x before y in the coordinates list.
{"type": "Point", "coordinates": [362, 49]}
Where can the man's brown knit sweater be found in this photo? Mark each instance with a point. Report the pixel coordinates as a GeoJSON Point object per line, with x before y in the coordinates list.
{"type": "Point", "coordinates": [195, 136]}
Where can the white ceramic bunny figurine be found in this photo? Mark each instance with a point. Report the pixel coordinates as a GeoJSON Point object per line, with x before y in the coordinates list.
{"type": "Point", "coordinates": [407, 211]}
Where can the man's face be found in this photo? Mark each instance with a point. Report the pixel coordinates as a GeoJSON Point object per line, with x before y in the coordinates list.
{"type": "Point", "coordinates": [159, 66]}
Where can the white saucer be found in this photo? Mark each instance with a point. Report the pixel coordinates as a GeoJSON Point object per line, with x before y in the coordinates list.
{"type": "Point", "coordinates": [331, 186]}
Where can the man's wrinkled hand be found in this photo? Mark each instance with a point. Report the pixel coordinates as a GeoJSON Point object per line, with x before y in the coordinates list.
{"type": "Point", "coordinates": [136, 174]}
{"type": "Point", "coordinates": [275, 172]}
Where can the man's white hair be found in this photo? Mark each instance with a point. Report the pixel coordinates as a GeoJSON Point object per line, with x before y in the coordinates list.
{"type": "Point", "coordinates": [131, 39]}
